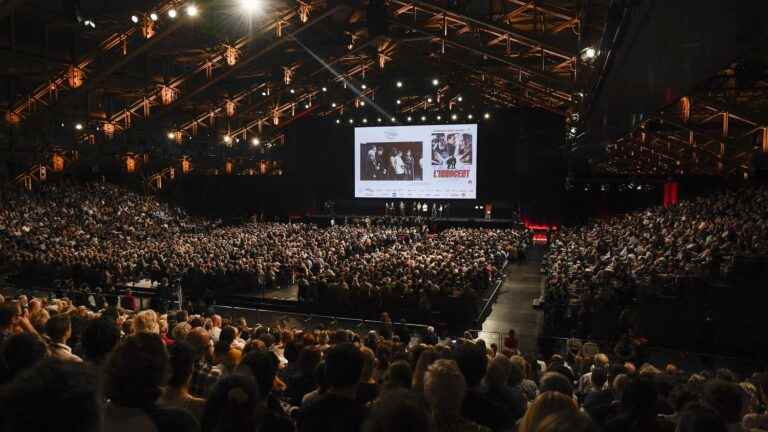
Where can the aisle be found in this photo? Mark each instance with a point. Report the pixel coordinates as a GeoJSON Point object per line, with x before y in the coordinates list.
{"type": "Point", "coordinates": [512, 308]}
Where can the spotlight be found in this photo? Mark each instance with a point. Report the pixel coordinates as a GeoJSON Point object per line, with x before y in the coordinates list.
{"type": "Point", "coordinates": [429, 100]}
{"type": "Point", "coordinates": [255, 141]}
{"type": "Point", "coordinates": [460, 98]}
{"type": "Point", "coordinates": [435, 82]}
{"type": "Point", "coordinates": [333, 104]}
{"type": "Point", "coordinates": [398, 101]}
{"type": "Point", "coordinates": [363, 87]}
{"type": "Point", "coordinates": [351, 121]}
{"type": "Point", "coordinates": [378, 120]}
{"type": "Point", "coordinates": [134, 19]}
{"type": "Point", "coordinates": [469, 116]}
{"type": "Point", "coordinates": [227, 139]}
{"type": "Point", "coordinates": [89, 23]}
{"type": "Point", "coordinates": [153, 16]}
{"type": "Point", "coordinates": [486, 116]}
{"type": "Point", "coordinates": [172, 13]}
{"type": "Point", "coordinates": [78, 126]}
{"type": "Point", "coordinates": [439, 118]}
{"type": "Point", "coordinates": [250, 6]}
{"type": "Point", "coordinates": [362, 103]}
{"type": "Point", "coordinates": [588, 54]}
{"type": "Point", "coordinates": [263, 93]}
{"type": "Point", "coordinates": [306, 106]}
{"type": "Point", "coordinates": [399, 84]}
{"type": "Point", "coordinates": [409, 118]}
{"type": "Point", "coordinates": [338, 121]}
{"type": "Point", "coordinates": [170, 135]}
{"type": "Point", "coordinates": [393, 119]}
{"type": "Point", "coordinates": [293, 91]}
{"type": "Point", "coordinates": [423, 118]}
{"type": "Point", "coordinates": [325, 89]}
{"type": "Point", "coordinates": [365, 120]}
{"type": "Point", "coordinates": [454, 116]}
{"type": "Point", "coordinates": [192, 10]}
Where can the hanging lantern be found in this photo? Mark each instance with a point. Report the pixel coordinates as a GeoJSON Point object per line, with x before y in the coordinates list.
{"type": "Point", "coordinates": [177, 136]}
{"type": "Point", "coordinates": [263, 167]}
{"type": "Point", "coordinates": [12, 118]}
{"type": "Point", "coordinates": [147, 28]}
{"type": "Point", "coordinates": [109, 130]}
{"type": "Point", "coordinates": [167, 95]}
{"type": "Point", "coordinates": [130, 164]}
{"type": "Point", "coordinates": [287, 75]}
{"type": "Point", "coordinates": [304, 9]}
{"type": "Point", "coordinates": [75, 77]}
{"type": "Point", "coordinates": [57, 161]}
{"type": "Point", "coordinates": [231, 55]}
{"type": "Point", "coordinates": [685, 109]}
{"type": "Point", "coordinates": [228, 167]}
{"type": "Point", "coordinates": [186, 166]}
{"type": "Point", "coordinates": [229, 108]}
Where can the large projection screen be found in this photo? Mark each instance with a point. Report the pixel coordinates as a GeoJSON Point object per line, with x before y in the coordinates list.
{"type": "Point", "coordinates": [426, 161]}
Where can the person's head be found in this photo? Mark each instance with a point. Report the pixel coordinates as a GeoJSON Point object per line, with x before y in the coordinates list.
{"type": "Point", "coordinates": [146, 322]}
{"type": "Point", "coordinates": [231, 406]}
{"type": "Point", "coordinates": [567, 421]}
{"type": "Point", "coordinates": [99, 339]}
{"type": "Point", "coordinates": [343, 366]}
{"type": "Point", "coordinates": [557, 382]}
{"type": "Point", "coordinates": [136, 370]}
{"type": "Point", "coordinates": [21, 352]}
{"type": "Point", "coordinates": [639, 396]}
{"type": "Point", "coordinates": [599, 376]}
{"type": "Point", "coordinates": [444, 388]}
{"type": "Point", "coordinates": [262, 365]}
{"type": "Point", "coordinates": [398, 411]}
{"type": "Point", "coordinates": [181, 356]}
{"type": "Point", "coordinates": [39, 319]}
{"type": "Point", "coordinates": [182, 316]}
{"type": "Point", "coordinates": [726, 398]}
{"type": "Point", "coordinates": [201, 342]}
{"type": "Point", "coordinates": [399, 376]}
{"type": "Point", "coordinates": [700, 418]}
{"type": "Point", "coordinates": [499, 371]}
{"type": "Point", "coordinates": [309, 358]}
{"type": "Point", "coordinates": [52, 395]}
{"type": "Point", "coordinates": [8, 314]}
{"type": "Point", "coordinates": [59, 328]}
{"type": "Point", "coordinates": [216, 320]}
{"type": "Point", "coordinates": [472, 362]}
{"type": "Point", "coordinates": [546, 404]}
{"type": "Point", "coordinates": [601, 360]}
{"type": "Point", "coordinates": [369, 363]}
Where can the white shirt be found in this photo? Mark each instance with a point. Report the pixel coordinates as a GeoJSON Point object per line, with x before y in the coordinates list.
{"type": "Point", "coordinates": [63, 352]}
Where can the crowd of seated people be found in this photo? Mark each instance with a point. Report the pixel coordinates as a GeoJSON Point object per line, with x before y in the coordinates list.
{"type": "Point", "coordinates": [622, 256]}
{"type": "Point", "coordinates": [72, 368]}
{"type": "Point", "coordinates": [102, 234]}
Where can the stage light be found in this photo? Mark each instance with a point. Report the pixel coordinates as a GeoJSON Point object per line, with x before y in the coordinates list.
{"type": "Point", "coordinates": [588, 54]}
{"type": "Point", "coordinates": [363, 86]}
{"type": "Point", "coordinates": [338, 121]}
{"type": "Point", "coordinates": [227, 139]}
{"type": "Point", "coordinates": [398, 101]}
{"type": "Point", "coordinates": [333, 104]}
{"type": "Point", "coordinates": [362, 103]}
{"type": "Point", "coordinates": [263, 93]}
{"type": "Point", "coordinates": [89, 23]}
{"type": "Point", "coordinates": [423, 118]}
{"type": "Point", "coordinates": [429, 100]}
{"type": "Point", "coordinates": [325, 89]}
{"type": "Point", "coordinates": [469, 116]}
{"type": "Point", "coordinates": [255, 141]}
{"type": "Point", "coordinates": [409, 118]}
{"type": "Point", "coordinates": [435, 82]}
{"type": "Point", "coordinates": [78, 126]}
{"type": "Point", "coordinates": [454, 116]}
{"type": "Point", "coordinates": [399, 84]}
{"type": "Point", "coordinates": [378, 120]}
{"type": "Point", "coordinates": [460, 98]}
{"type": "Point", "coordinates": [250, 6]}
{"type": "Point", "coordinates": [134, 19]}
{"type": "Point", "coordinates": [192, 10]}
{"type": "Point", "coordinates": [153, 16]}
{"type": "Point", "coordinates": [393, 119]}
{"type": "Point", "coordinates": [172, 13]}
{"type": "Point", "coordinates": [365, 120]}
{"type": "Point", "coordinates": [351, 121]}
{"type": "Point", "coordinates": [292, 91]}
{"type": "Point", "coordinates": [306, 106]}
{"type": "Point", "coordinates": [486, 116]}
{"type": "Point", "coordinates": [439, 118]}
{"type": "Point", "coordinates": [170, 135]}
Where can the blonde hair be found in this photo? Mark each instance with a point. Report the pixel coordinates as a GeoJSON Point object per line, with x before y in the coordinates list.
{"type": "Point", "coordinates": [146, 322]}
{"type": "Point", "coordinates": [545, 404]}
{"type": "Point", "coordinates": [444, 387]}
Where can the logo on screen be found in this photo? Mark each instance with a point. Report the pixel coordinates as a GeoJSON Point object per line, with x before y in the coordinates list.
{"type": "Point", "coordinates": [390, 134]}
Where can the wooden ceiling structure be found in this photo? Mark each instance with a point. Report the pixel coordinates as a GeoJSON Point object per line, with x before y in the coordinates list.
{"type": "Point", "coordinates": [147, 75]}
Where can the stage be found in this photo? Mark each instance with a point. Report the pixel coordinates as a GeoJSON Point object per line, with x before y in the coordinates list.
{"type": "Point", "coordinates": [438, 223]}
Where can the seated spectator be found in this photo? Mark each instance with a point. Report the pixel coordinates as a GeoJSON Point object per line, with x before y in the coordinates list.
{"type": "Point", "coordinates": [52, 395]}
{"type": "Point", "coordinates": [176, 392]}
{"type": "Point", "coordinates": [478, 407]}
{"type": "Point", "coordinates": [700, 418]}
{"type": "Point", "coordinates": [59, 330]}
{"type": "Point", "coordinates": [225, 356]}
{"type": "Point", "coordinates": [555, 381]}
{"type": "Point", "coordinates": [444, 391]}
{"type": "Point", "coordinates": [303, 381]}
{"type": "Point", "coordinates": [501, 384]}
{"type": "Point", "coordinates": [263, 365]}
{"type": "Point", "coordinates": [398, 410]}
{"type": "Point", "coordinates": [19, 353]}
{"type": "Point", "coordinates": [134, 375]}
{"type": "Point", "coordinates": [567, 421]}
{"type": "Point", "coordinates": [759, 421]}
{"type": "Point", "coordinates": [204, 374]}
{"type": "Point", "coordinates": [398, 376]}
{"type": "Point", "coordinates": [728, 400]}
{"type": "Point", "coordinates": [337, 409]}
{"type": "Point", "coordinates": [99, 339]}
{"type": "Point", "coordinates": [367, 390]}
{"type": "Point", "coordinates": [146, 321]}
{"type": "Point", "coordinates": [546, 404]}
{"type": "Point", "coordinates": [638, 410]}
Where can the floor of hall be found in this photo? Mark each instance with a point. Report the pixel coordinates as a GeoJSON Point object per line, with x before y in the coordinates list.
{"type": "Point", "coordinates": [512, 309]}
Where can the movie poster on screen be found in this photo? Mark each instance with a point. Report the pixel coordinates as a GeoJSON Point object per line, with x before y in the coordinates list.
{"type": "Point", "coordinates": [452, 154]}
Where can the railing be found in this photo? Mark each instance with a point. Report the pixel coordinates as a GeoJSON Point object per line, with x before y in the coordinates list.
{"type": "Point", "coordinates": [492, 298]}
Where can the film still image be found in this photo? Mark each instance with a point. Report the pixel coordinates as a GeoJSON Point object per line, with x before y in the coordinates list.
{"type": "Point", "coordinates": [448, 149]}
{"type": "Point", "coordinates": [399, 161]}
